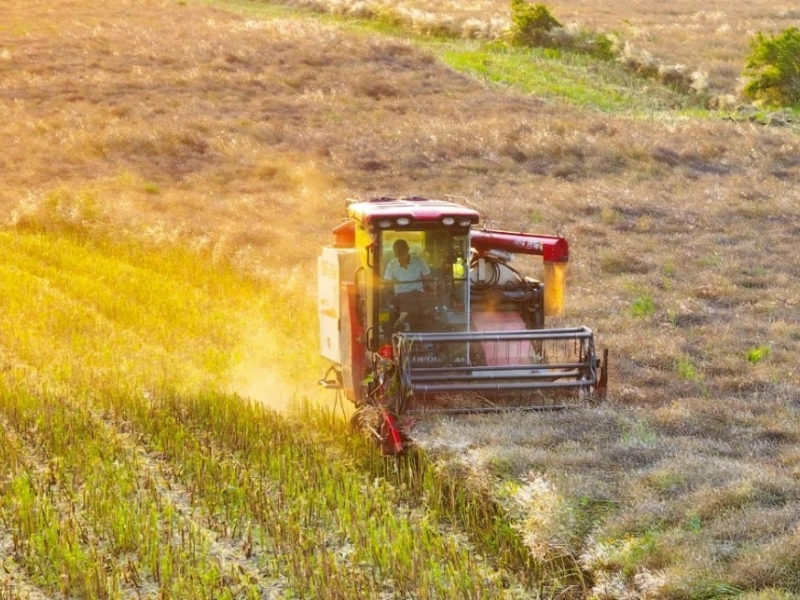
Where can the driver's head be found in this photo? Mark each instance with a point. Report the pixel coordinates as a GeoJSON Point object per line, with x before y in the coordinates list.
{"type": "Point", "coordinates": [400, 248]}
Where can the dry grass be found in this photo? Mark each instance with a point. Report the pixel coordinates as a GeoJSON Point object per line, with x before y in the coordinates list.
{"type": "Point", "coordinates": [242, 138]}
{"type": "Point", "coordinates": [708, 42]}
{"type": "Point", "coordinates": [124, 113]}
{"type": "Point", "coordinates": [651, 503]}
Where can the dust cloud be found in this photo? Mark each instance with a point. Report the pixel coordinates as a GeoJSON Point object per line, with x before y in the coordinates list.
{"type": "Point", "coordinates": [261, 381]}
{"type": "Point", "coordinates": [266, 385]}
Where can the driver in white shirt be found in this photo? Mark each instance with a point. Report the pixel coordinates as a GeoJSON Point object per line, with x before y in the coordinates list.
{"type": "Point", "coordinates": [408, 274]}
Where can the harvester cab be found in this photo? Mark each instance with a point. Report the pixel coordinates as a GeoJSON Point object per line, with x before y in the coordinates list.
{"type": "Point", "coordinates": [421, 311]}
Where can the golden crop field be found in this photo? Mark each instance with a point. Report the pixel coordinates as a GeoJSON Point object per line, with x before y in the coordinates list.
{"type": "Point", "coordinates": [171, 170]}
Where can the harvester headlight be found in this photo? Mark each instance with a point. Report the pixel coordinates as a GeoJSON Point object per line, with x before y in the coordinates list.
{"type": "Point", "coordinates": [464, 223]}
{"type": "Point", "coordinates": [448, 221]}
{"type": "Point", "coordinates": [384, 223]}
{"type": "Point", "coordinates": [403, 221]}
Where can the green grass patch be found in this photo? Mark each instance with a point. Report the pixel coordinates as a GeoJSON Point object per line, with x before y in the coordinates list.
{"type": "Point", "coordinates": [643, 307]}
{"type": "Point", "coordinates": [687, 370]}
{"type": "Point", "coordinates": [577, 79]}
{"type": "Point", "coordinates": [758, 354]}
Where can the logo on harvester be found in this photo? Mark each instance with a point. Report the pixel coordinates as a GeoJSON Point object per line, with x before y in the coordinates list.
{"type": "Point", "coordinates": [429, 358]}
{"type": "Point", "coordinates": [426, 354]}
{"type": "Point", "coordinates": [528, 245]}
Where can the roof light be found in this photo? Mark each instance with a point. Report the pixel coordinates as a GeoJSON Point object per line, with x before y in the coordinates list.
{"type": "Point", "coordinates": [465, 222]}
{"type": "Point", "coordinates": [403, 221]}
{"type": "Point", "coordinates": [384, 223]}
{"type": "Point", "coordinates": [448, 221]}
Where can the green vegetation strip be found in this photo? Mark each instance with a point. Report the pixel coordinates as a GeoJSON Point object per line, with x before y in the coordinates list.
{"type": "Point", "coordinates": [577, 79]}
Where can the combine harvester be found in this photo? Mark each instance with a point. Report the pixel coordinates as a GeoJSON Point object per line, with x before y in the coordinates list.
{"type": "Point", "coordinates": [462, 333]}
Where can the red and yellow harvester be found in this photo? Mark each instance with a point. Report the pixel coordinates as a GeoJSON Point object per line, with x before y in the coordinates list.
{"type": "Point", "coordinates": [478, 343]}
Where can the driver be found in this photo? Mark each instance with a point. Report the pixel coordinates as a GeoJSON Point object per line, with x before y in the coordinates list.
{"type": "Point", "coordinates": [409, 274]}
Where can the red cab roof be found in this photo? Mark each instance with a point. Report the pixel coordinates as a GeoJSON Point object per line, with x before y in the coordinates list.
{"type": "Point", "coordinates": [417, 208]}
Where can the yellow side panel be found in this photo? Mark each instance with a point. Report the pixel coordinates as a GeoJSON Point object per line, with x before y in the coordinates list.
{"type": "Point", "coordinates": [555, 282]}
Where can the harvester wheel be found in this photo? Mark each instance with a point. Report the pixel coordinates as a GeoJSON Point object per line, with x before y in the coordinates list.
{"type": "Point", "coordinates": [364, 421]}
{"type": "Point", "coordinates": [380, 426]}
